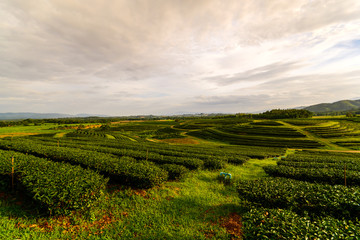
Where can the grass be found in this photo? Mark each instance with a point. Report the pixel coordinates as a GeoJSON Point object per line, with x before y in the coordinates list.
{"type": "Point", "coordinates": [46, 128]}
{"type": "Point", "coordinates": [108, 136]}
{"type": "Point", "coordinates": [193, 208]}
{"type": "Point", "coordinates": [17, 131]}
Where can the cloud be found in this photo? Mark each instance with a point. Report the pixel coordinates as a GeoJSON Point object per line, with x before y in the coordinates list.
{"type": "Point", "coordinates": [273, 70]}
{"type": "Point", "coordinates": [321, 80]}
{"type": "Point", "coordinates": [63, 51]}
{"type": "Point", "coordinates": [240, 101]}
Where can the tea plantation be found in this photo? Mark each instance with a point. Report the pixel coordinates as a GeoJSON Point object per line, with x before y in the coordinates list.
{"type": "Point", "coordinates": [159, 179]}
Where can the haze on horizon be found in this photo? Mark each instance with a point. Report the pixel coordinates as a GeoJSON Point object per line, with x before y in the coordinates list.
{"type": "Point", "coordinates": [127, 57]}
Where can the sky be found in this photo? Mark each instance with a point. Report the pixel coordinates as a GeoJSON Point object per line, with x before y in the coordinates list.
{"type": "Point", "coordinates": [135, 57]}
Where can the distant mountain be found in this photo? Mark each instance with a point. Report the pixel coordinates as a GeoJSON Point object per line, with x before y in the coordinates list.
{"type": "Point", "coordinates": [28, 115]}
{"type": "Point", "coordinates": [344, 105]}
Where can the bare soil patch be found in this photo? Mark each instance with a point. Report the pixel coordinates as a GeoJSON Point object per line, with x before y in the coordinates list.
{"type": "Point", "coordinates": [233, 225]}
{"type": "Point", "coordinates": [180, 141]}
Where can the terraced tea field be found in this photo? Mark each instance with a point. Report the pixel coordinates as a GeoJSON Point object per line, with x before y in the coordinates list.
{"type": "Point", "coordinates": [147, 180]}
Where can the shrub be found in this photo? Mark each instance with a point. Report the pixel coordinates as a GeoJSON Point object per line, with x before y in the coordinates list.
{"type": "Point", "coordinates": [60, 187]}
{"type": "Point", "coordinates": [313, 198]}
{"type": "Point", "coordinates": [125, 170]}
{"type": "Point", "coordinates": [284, 224]}
{"type": "Point", "coordinates": [214, 163]}
{"type": "Point", "coordinates": [176, 172]}
{"type": "Point", "coordinates": [238, 160]}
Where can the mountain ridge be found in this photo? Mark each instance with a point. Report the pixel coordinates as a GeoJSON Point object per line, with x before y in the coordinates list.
{"type": "Point", "coordinates": [339, 106]}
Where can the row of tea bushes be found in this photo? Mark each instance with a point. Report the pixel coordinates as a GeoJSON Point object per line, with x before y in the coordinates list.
{"type": "Point", "coordinates": [333, 131]}
{"type": "Point", "coordinates": [303, 122]}
{"type": "Point", "coordinates": [324, 175]}
{"type": "Point", "coordinates": [262, 223]}
{"type": "Point", "coordinates": [176, 172]}
{"type": "Point", "coordinates": [325, 167]}
{"type": "Point", "coordinates": [189, 161]}
{"type": "Point", "coordinates": [252, 140]}
{"type": "Point", "coordinates": [303, 197]}
{"type": "Point", "coordinates": [227, 153]}
{"type": "Point", "coordinates": [124, 170]}
{"type": "Point", "coordinates": [284, 132]}
{"type": "Point", "coordinates": [351, 165]}
{"type": "Point", "coordinates": [60, 187]}
{"type": "Point", "coordinates": [322, 156]}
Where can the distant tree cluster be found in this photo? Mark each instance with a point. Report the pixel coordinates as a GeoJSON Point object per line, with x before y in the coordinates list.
{"type": "Point", "coordinates": [285, 113]}
{"type": "Point", "coordinates": [5, 124]}
{"type": "Point", "coordinates": [25, 122]}
{"type": "Point", "coordinates": [350, 114]}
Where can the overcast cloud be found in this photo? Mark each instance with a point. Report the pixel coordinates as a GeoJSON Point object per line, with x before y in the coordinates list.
{"type": "Point", "coordinates": [126, 57]}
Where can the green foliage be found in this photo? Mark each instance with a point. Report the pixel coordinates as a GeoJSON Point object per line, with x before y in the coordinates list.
{"type": "Point", "coordinates": [176, 172]}
{"type": "Point", "coordinates": [324, 175]}
{"type": "Point", "coordinates": [214, 163]}
{"type": "Point", "coordinates": [166, 150]}
{"type": "Point", "coordinates": [303, 122]}
{"type": "Point", "coordinates": [170, 154]}
{"type": "Point", "coordinates": [190, 163]}
{"type": "Point", "coordinates": [237, 160]}
{"type": "Point", "coordinates": [60, 187]}
{"type": "Point", "coordinates": [303, 197]}
{"type": "Point", "coordinates": [267, 123]}
{"type": "Point", "coordinates": [319, 167]}
{"type": "Point", "coordinates": [284, 224]}
{"type": "Point", "coordinates": [136, 174]}
{"type": "Point", "coordinates": [332, 131]}
{"type": "Point", "coordinates": [350, 114]}
{"type": "Point", "coordinates": [87, 133]}
{"type": "Point", "coordinates": [126, 172]}
{"type": "Point", "coordinates": [105, 127]}
{"type": "Point", "coordinates": [205, 123]}
{"type": "Point", "coordinates": [350, 165]}
{"type": "Point", "coordinates": [272, 131]}
{"type": "Point", "coordinates": [353, 144]}
{"type": "Point", "coordinates": [236, 139]}
{"type": "Point", "coordinates": [285, 113]}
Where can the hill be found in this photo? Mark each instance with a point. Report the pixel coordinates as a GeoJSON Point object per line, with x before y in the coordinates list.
{"type": "Point", "coordinates": [344, 105]}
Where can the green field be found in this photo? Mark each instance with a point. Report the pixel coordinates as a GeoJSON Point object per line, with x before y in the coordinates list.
{"type": "Point", "coordinates": [160, 179]}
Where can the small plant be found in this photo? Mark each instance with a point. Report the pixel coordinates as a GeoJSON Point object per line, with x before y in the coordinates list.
{"type": "Point", "coordinates": [225, 178]}
{"type": "Point", "coordinates": [176, 172]}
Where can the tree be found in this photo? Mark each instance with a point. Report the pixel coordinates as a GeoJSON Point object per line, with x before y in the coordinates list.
{"type": "Point", "coordinates": [350, 114]}
{"type": "Point", "coordinates": [81, 126]}
{"type": "Point", "coordinates": [105, 127]}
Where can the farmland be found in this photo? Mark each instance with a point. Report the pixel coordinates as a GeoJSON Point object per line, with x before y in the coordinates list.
{"type": "Point", "coordinates": [159, 179]}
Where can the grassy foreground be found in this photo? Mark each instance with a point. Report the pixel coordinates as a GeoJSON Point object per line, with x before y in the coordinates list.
{"type": "Point", "coordinates": [198, 207]}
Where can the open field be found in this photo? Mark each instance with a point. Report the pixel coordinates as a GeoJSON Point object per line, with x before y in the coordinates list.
{"type": "Point", "coordinates": [46, 128]}
{"type": "Point", "coordinates": [160, 180]}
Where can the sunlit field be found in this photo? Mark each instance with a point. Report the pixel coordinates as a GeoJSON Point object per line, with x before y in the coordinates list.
{"type": "Point", "coordinates": [161, 179]}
